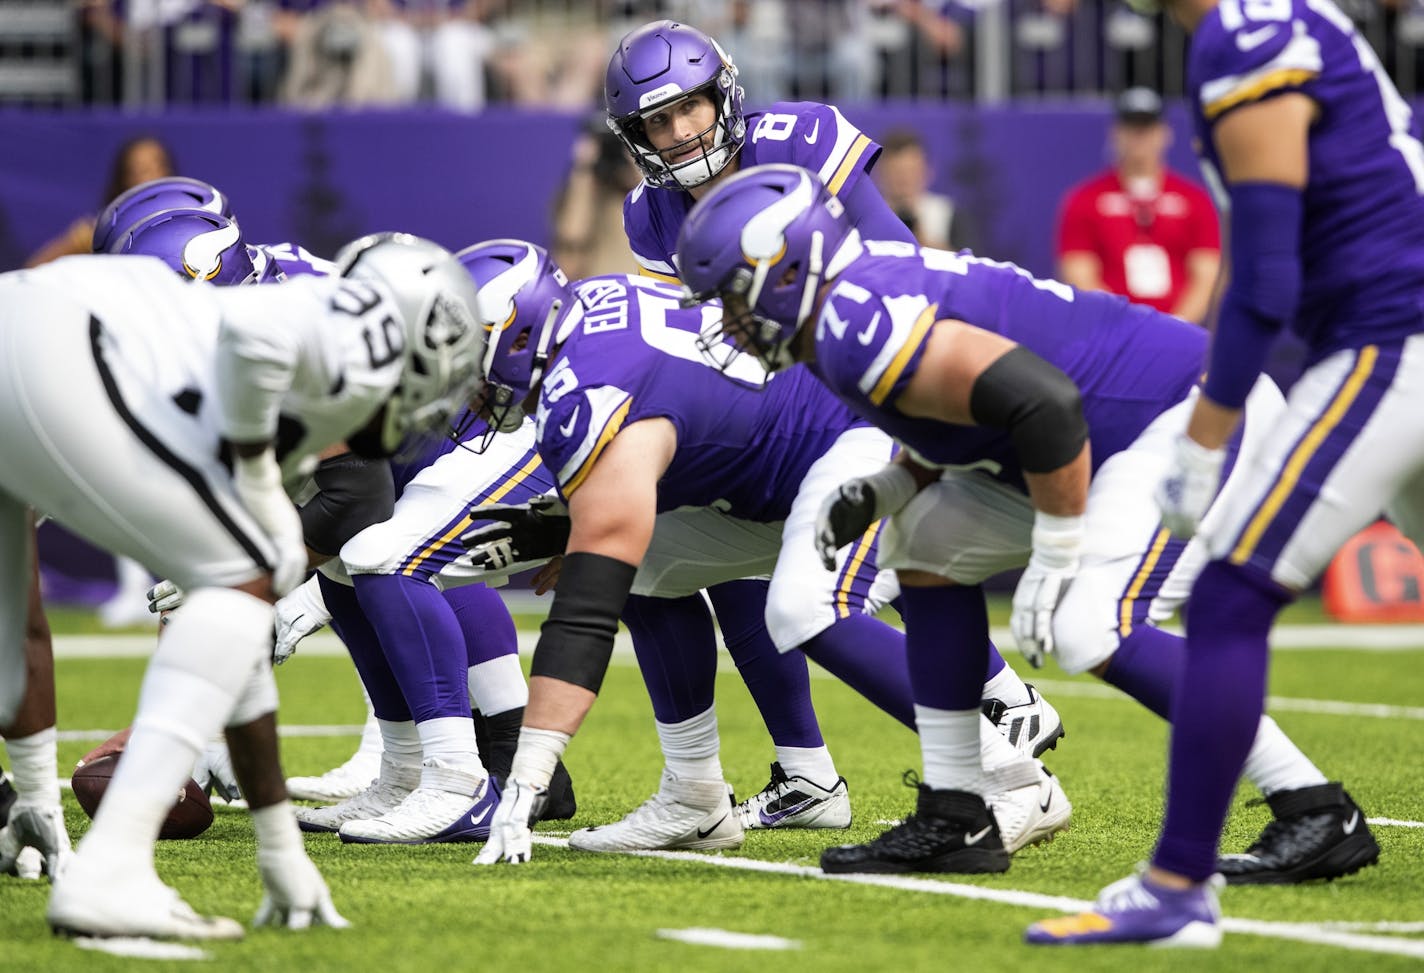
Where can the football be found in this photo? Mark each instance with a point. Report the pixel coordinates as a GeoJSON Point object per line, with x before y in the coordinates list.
{"type": "Point", "coordinates": [190, 816]}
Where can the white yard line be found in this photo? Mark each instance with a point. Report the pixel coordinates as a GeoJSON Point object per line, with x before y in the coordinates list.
{"type": "Point", "coordinates": [726, 939]}
{"type": "Point", "coordinates": [1303, 932]}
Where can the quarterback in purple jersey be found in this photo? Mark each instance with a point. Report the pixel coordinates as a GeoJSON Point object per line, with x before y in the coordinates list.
{"type": "Point", "coordinates": [993, 381]}
{"type": "Point", "coordinates": [672, 96]}
{"type": "Point", "coordinates": [1320, 160]}
{"type": "Point", "coordinates": [633, 421]}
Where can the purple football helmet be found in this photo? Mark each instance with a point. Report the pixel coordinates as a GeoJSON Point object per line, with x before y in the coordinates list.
{"type": "Point", "coordinates": [155, 196]}
{"type": "Point", "coordinates": [196, 244]}
{"type": "Point", "coordinates": [764, 242]}
{"type": "Point", "coordinates": [664, 62]}
{"type": "Point", "coordinates": [525, 303]}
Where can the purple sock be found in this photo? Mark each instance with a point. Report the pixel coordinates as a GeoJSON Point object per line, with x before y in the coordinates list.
{"type": "Point", "coordinates": [422, 641]}
{"type": "Point", "coordinates": [1216, 712]}
{"type": "Point", "coordinates": [676, 648]}
{"type": "Point", "coordinates": [485, 621]}
{"type": "Point", "coordinates": [778, 681]}
{"type": "Point", "coordinates": [351, 626]}
{"type": "Point", "coordinates": [1147, 666]}
{"type": "Point", "coordinates": [869, 657]}
{"type": "Point", "coordinates": [943, 633]}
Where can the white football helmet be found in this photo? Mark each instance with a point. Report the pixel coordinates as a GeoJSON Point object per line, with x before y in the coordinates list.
{"type": "Point", "coordinates": [439, 310]}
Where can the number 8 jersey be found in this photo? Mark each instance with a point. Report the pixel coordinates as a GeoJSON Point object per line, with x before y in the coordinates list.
{"type": "Point", "coordinates": [1362, 240]}
{"type": "Point", "coordinates": [803, 133]}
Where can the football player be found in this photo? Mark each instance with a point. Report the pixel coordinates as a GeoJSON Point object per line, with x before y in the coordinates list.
{"type": "Point", "coordinates": [1320, 160]}
{"type": "Point", "coordinates": [167, 384]}
{"type": "Point", "coordinates": [993, 381]}
{"type": "Point", "coordinates": [633, 421]}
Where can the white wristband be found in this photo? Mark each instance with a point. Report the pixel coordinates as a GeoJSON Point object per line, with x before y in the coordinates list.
{"type": "Point", "coordinates": [276, 827]}
{"type": "Point", "coordinates": [1057, 541]}
{"type": "Point", "coordinates": [894, 487]}
{"type": "Point", "coordinates": [538, 753]}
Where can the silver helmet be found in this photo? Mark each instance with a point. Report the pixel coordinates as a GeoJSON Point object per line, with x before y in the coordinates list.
{"type": "Point", "coordinates": [439, 311]}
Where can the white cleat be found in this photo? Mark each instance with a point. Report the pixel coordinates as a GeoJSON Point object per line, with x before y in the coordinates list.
{"type": "Point", "coordinates": [1033, 727]}
{"type": "Point", "coordinates": [381, 796]}
{"type": "Point", "coordinates": [339, 783]}
{"type": "Point", "coordinates": [1028, 803]}
{"type": "Point", "coordinates": [89, 901]}
{"type": "Point", "coordinates": [693, 814]}
{"type": "Point", "coordinates": [429, 814]}
{"type": "Point", "coordinates": [35, 841]}
{"type": "Point", "coordinates": [796, 802]}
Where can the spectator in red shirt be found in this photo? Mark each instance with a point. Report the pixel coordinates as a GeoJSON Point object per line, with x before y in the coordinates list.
{"type": "Point", "coordinates": [1140, 229]}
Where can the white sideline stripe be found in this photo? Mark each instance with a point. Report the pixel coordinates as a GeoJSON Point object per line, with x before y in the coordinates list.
{"type": "Point", "coordinates": [141, 948]}
{"type": "Point", "coordinates": [1297, 931]}
{"type": "Point", "coordinates": [1393, 823]}
{"type": "Point", "coordinates": [1293, 704]}
{"type": "Point", "coordinates": [317, 730]}
{"type": "Point", "coordinates": [725, 938]}
{"type": "Point", "coordinates": [1326, 635]}
{"type": "Point", "coordinates": [1406, 927]}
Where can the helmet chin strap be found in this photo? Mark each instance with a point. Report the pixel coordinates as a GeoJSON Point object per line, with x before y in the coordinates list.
{"type": "Point", "coordinates": [813, 280]}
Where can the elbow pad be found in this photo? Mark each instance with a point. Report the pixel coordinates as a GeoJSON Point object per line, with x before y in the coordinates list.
{"type": "Point", "coordinates": [354, 493]}
{"type": "Point", "coordinates": [1037, 403]}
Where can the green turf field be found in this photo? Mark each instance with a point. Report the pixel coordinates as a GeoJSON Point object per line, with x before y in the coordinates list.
{"type": "Point", "coordinates": [427, 908]}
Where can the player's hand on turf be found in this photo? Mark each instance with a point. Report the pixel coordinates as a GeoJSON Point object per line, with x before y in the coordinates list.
{"type": "Point", "coordinates": [298, 615]}
{"type": "Point", "coordinates": [846, 513]}
{"type": "Point", "coordinates": [258, 482]}
{"type": "Point", "coordinates": [164, 597]}
{"type": "Point", "coordinates": [521, 532]}
{"type": "Point", "coordinates": [1190, 486]}
{"type": "Point", "coordinates": [296, 895]}
{"type": "Point", "coordinates": [511, 838]}
{"type": "Point", "coordinates": [214, 774]}
{"type": "Point", "coordinates": [34, 843]}
{"type": "Point", "coordinates": [1057, 549]}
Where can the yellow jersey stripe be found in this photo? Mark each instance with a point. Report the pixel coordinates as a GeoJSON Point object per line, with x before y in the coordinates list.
{"type": "Point", "coordinates": [862, 550]}
{"type": "Point", "coordinates": [615, 423]}
{"type": "Point", "coordinates": [665, 278]}
{"type": "Point", "coordinates": [1154, 554]}
{"type": "Point", "coordinates": [852, 156]}
{"type": "Point", "coordinates": [1304, 451]}
{"type": "Point", "coordinates": [918, 331]}
{"type": "Point", "coordinates": [1254, 90]}
{"type": "Point", "coordinates": [499, 494]}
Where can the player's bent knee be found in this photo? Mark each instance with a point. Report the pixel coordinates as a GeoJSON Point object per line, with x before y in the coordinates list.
{"type": "Point", "coordinates": [797, 613]}
{"type": "Point", "coordinates": [258, 697]}
{"type": "Point", "coordinates": [370, 551]}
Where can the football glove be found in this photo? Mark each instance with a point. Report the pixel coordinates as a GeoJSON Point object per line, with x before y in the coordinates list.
{"type": "Point", "coordinates": [213, 772]}
{"type": "Point", "coordinates": [518, 533]}
{"type": "Point", "coordinates": [511, 837]}
{"type": "Point", "coordinates": [1190, 486]}
{"type": "Point", "coordinates": [164, 597]}
{"type": "Point", "coordinates": [296, 896]}
{"type": "Point", "coordinates": [1057, 549]}
{"type": "Point", "coordinates": [849, 510]}
{"type": "Point", "coordinates": [34, 841]}
{"type": "Point", "coordinates": [297, 616]}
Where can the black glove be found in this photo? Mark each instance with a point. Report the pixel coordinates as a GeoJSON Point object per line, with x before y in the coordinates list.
{"type": "Point", "coordinates": [518, 533]}
{"type": "Point", "coordinates": [844, 516]}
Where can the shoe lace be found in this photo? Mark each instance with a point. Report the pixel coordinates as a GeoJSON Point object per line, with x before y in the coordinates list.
{"type": "Point", "coordinates": [910, 779]}
{"type": "Point", "coordinates": [1125, 895]}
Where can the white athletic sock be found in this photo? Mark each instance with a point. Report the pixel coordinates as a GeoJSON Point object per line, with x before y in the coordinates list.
{"type": "Point", "coordinates": [34, 762]}
{"type": "Point", "coordinates": [1276, 764]}
{"type": "Point", "coordinates": [371, 729]}
{"type": "Point", "coordinates": [1006, 685]}
{"type": "Point", "coordinates": [401, 752]}
{"type": "Point", "coordinates": [498, 686]}
{"type": "Point", "coordinates": [193, 680]}
{"type": "Point", "coordinates": [691, 748]}
{"type": "Point", "coordinates": [950, 745]}
{"type": "Point", "coordinates": [813, 763]}
{"type": "Point", "coordinates": [451, 761]}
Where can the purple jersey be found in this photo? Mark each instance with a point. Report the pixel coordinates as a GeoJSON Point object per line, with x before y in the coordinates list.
{"type": "Point", "coordinates": [1362, 241]}
{"type": "Point", "coordinates": [295, 261]}
{"type": "Point", "coordinates": [803, 133]}
{"type": "Point", "coordinates": [1130, 362]}
{"type": "Point", "coordinates": [634, 355]}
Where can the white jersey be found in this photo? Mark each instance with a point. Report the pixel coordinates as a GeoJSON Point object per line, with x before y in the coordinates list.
{"type": "Point", "coordinates": [307, 361]}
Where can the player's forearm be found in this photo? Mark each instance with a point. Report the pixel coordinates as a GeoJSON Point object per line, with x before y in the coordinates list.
{"type": "Point", "coordinates": [1062, 492]}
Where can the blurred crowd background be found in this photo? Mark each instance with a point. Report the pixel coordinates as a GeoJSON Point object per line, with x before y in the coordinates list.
{"type": "Point", "coordinates": [469, 54]}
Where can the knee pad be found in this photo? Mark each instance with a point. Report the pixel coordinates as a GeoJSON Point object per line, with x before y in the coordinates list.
{"type": "Point", "coordinates": [369, 552]}
{"type": "Point", "coordinates": [258, 697]}
{"type": "Point", "coordinates": [797, 610]}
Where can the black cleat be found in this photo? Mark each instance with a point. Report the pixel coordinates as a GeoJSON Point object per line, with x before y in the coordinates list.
{"type": "Point", "coordinates": [1319, 833]}
{"type": "Point", "coordinates": [950, 831]}
{"type": "Point", "coordinates": [7, 799]}
{"type": "Point", "coordinates": [498, 737]}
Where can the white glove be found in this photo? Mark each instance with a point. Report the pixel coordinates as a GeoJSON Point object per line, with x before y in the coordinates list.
{"type": "Point", "coordinates": [511, 838]}
{"type": "Point", "coordinates": [258, 481]}
{"type": "Point", "coordinates": [1190, 486]}
{"type": "Point", "coordinates": [1057, 548]}
{"type": "Point", "coordinates": [34, 841]}
{"type": "Point", "coordinates": [164, 597]}
{"type": "Point", "coordinates": [296, 895]}
{"type": "Point", "coordinates": [297, 616]}
{"type": "Point", "coordinates": [848, 511]}
{"type": "Point", "coordinates": [213, 772]}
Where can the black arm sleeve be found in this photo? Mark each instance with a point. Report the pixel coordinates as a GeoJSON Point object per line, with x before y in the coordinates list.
{"type": "Point", "coordinates": [576, 640]}
{"type": "Point", "coordinates": [353, 493]}
{"type": "Point", "coordinates": [1039, 405]}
